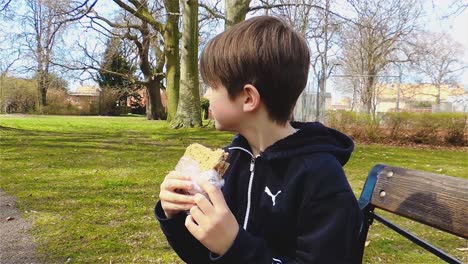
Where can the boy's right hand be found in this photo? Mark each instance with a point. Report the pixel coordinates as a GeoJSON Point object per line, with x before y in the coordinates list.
{"type": "Point", "coordinates": [174, 194]}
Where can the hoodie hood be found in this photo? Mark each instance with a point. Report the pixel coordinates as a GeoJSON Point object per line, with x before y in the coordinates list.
{"type": "Point", "coordinates": [310, 138]}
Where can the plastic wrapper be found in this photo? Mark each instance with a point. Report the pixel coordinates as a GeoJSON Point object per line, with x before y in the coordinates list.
{"type": "Point", "coordinates": [191, 168]}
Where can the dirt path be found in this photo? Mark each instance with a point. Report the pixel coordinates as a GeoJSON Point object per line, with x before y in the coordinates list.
{"type": "Point", "coordinates": [16, 246]}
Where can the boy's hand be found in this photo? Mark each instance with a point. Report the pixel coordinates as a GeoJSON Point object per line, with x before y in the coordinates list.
{"type": "Point", "coordinates": [213, 224]}
{"type": "Point", "coordinates": [173, 199]}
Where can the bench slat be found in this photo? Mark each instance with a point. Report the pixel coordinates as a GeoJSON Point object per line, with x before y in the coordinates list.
{"type": "Point", "coordinates": [436, 200]}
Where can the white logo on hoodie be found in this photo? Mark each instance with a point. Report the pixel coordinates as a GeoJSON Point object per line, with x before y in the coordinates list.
{"type": "Point", "coordinates": [273, 197]}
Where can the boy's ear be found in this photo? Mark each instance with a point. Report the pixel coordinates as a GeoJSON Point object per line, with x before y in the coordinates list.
{"type": "Point", "coordinates": [251, 98]}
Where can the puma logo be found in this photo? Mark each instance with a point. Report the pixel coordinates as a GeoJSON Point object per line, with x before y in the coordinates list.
{"type": "Point", "coordinates": [273, 197]}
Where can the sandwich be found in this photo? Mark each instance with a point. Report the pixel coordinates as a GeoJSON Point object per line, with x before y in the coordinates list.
{"type": "Point", "coordinates": [208, 159]}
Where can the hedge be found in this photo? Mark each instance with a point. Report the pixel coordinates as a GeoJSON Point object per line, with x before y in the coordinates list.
{"type": "Point", "coordinates": [403, 127]}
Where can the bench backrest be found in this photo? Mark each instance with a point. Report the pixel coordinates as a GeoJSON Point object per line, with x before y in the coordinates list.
{"type": "Point", "coordinates": [436, 200]}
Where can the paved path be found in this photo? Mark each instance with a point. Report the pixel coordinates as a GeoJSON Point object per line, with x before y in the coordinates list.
{"type": "Point", "coordinates": [16, 246]}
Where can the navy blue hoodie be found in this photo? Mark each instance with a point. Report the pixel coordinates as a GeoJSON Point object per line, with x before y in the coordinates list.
{"type": "Point", "coordinates": [293, 203]}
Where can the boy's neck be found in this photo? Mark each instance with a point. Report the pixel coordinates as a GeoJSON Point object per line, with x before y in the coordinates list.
{"type": "Point", "coordinates": [266, 133]}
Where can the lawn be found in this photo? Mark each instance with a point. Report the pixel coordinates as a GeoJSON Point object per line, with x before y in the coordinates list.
{"type": "Point", "coordinates": [89, 184]}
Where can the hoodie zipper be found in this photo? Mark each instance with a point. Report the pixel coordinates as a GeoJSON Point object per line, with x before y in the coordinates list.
{"type": "Point", "coordinates": [249, 190]}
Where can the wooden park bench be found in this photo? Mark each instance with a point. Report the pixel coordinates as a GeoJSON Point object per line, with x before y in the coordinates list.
{"type": "Point", "coordinates": [432, 199]}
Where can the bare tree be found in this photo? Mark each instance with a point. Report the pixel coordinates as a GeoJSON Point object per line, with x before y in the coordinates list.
{"type": "Point", "coordinates": [326, 28]}
{"type": "Point", "coordinates": [156, 45]}
{"type": "Point", "coordinates": [45, 20]}
{"type": "Point", "coordinates": [438, 60]}
{"type": "Point", "coordinates": [169, 40]}
{"type": "Point", "coordinates": [375, 40]}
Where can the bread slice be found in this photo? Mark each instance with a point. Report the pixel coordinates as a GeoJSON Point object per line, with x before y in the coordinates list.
{"type": "Point", "coordinates": [208, 159]}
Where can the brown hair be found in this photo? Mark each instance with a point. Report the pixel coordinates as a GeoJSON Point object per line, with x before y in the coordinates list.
{"type": "Point", "coordinates": [263, 51]}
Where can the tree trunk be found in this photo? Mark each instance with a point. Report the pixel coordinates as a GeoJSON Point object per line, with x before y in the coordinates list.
{"type": "Point", "coordinates": [438, 96]}
{"type": "Point", "coordinates": [322, 99]}
{"type": "Point", "coordinates": [325, 66]}
{"type": "Point", "coordinates": [369, 93]}
{"type": "Point", "coordinates": [171, 51]}
{"type": "Point", "coordinates": [236, 10]}
{"type": "Point", "coordinates": [154, 107]}
{"type": "Point", "coordinates": [40, 76]}
{"type": "Point", "coordinates": [41, 89]}
{"type": "Point", "coordinates": [189, 109]}
{"type": "Point", "coordinates": [353, 100]}
{"type": "Point", "coordinates": [369, 96]}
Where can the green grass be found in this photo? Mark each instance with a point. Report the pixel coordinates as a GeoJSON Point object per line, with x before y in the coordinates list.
{"type": "Point", "coordinates": [90, 184]}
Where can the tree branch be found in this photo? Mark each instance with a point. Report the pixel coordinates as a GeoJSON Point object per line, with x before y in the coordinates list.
{"type": "Point", "coordinates": [110, 23]}
{"type": "Point", "coordinates": [142, 13]}
{"type": "Point", "coordinates": [268, 6]}
{"type": "Point", "coordinates": [4, 5]}
{"type": "Point", "coordinates": [214, 13]}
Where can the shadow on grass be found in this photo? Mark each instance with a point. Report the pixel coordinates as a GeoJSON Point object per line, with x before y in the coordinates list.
{"type": "Point", "coordinates": [159, 137]}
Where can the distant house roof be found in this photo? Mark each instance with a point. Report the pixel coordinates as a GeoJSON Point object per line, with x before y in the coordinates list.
{"type": "Point", "coordinates": [92, 90]}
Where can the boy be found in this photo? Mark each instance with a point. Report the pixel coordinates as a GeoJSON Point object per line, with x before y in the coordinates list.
{"type": "Point", "coordinates": [286, 198]}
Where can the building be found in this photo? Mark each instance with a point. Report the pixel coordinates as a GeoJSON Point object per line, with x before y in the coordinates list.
{"type": "Point", "coordinates": [416, 97]}
{"type": "Point", "coordinates": [91, 100]}
{"type": "Point", "coordinates": [86, 99]}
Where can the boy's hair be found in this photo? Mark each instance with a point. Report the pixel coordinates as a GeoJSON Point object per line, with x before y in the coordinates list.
{"type": "Point", "coordinates": [263, 51]}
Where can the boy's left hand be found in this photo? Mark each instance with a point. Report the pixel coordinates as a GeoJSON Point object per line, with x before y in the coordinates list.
{"type": "Point", "coordinates": [213, 224]}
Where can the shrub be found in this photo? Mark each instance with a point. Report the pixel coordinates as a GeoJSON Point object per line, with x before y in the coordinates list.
{"type": "Point", "coordinates": [109, 97]}
{"type": "Point", "coordinates": [425, 128]}
{"type": "Point", "coordinates": [18, 95]}
{"type": "Point", "coordinates": [57, 103]}
{"type": "Point", "coordinates": [397, 123]}
{"type": "Point", "coordinates": [341, 120]}
{"type": "Point", "coordinates": [364, 127]}
{"type": "Point", "coordinates": [137, 106]}
{"type": "Point", "coordinates": [456, 126]}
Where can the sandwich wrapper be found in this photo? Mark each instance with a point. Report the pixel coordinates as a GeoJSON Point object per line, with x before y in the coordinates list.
{"type": "Point", "coordinates": [190, 167]}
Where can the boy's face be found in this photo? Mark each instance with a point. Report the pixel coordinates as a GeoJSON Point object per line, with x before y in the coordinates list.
{"type": "Point", "coordinates": [226, 113]}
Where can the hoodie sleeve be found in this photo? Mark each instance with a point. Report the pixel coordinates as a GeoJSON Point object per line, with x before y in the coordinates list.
{"type": "Point", "coordinates": [187, 247]}
{"type": "Point", "coordinates": [328, 222]}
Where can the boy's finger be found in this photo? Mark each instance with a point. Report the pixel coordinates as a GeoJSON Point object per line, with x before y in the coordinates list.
{"type": "Point", "coordinates": [175, 206]}
{"type": "Point", "coordinates": [176, 198]}
{"type": "Point", "coordinates": [203, 204]}
{"type": "Point", "coordinates": [177, 175]}
{"type": "Point", "coordinates": [215, 194]}
{"type": "Point", "coordinates": [198, 216]}
{"type": "Point", "coordinates": [192, 227]}
{"type": "Point", "coordinates": [172, 184]}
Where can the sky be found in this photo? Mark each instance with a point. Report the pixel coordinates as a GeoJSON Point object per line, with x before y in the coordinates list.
{"type": "Point", "coordinates": [456, 26]}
